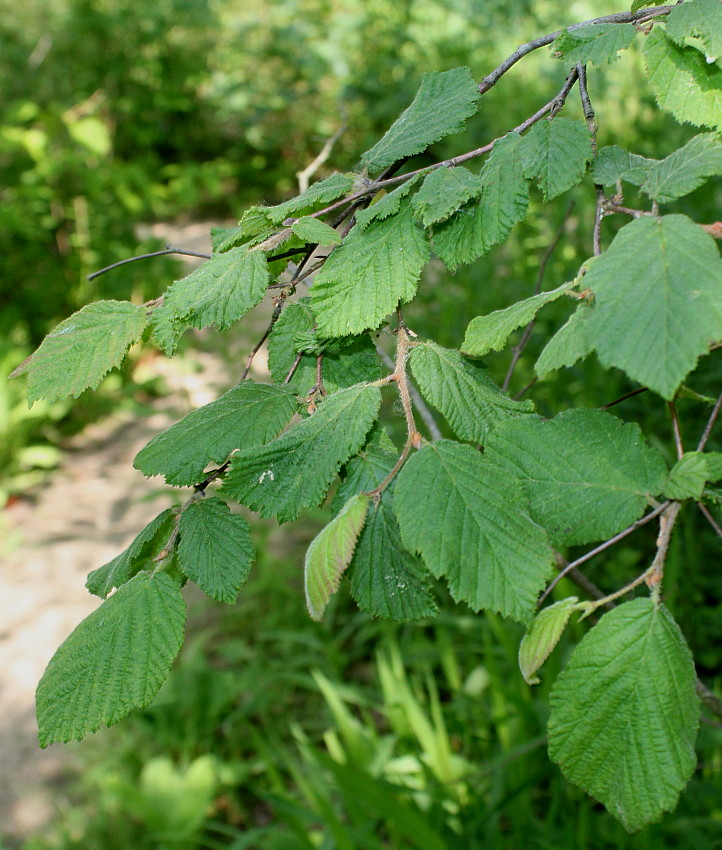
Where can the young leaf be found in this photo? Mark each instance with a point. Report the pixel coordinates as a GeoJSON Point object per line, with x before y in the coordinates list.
{"type": "Point", "coordinates": [443, 192]}
{"type": "Point", "coordinates": [462, 391]}
{"type": "Point", "coordinates": [643, 4]}
{"type": "Point", "coordinates": [167, 329]}
{"type": "Point", "coordinates": [593, 44]}
{"type": "Point", "coordinates": [221, 291]}
{"type": "Point", "coordinates": [387, 205]}
{"type": "Point", "coordinates": [701, 19]}
{"type": "Point", "coordinates": [683, 82]}
{"type": "Point", "coordinates": [587, 475]}
{"type": "Point", "coordinates": [330, 553]}
{"type": "Point", "coordinates": [490, 333]}
{"type": "Point", "coordinates": [441, 107]}
{"type": "Point", "coordinates": [692, 471]}
{"type": "Point", "coordinates": [624, 713]}
{"type": "Point", "coordinates": [365, 278]}
{"type": "Point", "coordinates": [468, 519]}
{"type": "Point", "coordinates": [138, 556]}
{"type": "Point", "coordinates": [248, 415]}
{"type": "Point", "coordinates": [569, 344]}
{"type": "Point", "coordinates": [82, 350]}
{"type": "Point", "coordinates": [295, 470]}
{"type": "Point", "coordinates": [215, 549]}
{"type": "Point", "coordinates": [685, 169]}
{"type": "Point", "coordinates": [114, 661]}
{"type": "Point", "coordinates": [542, 636]}
{"type": "Point", "coordinates": [669, 270]}
{"type": "Point", "coordinates": [614, 163]}
{"type": "Point", "coordinates": [556, 153]}
{"type": "Point", "coordinates": [316, 196]}
{"type": "Point", "coordinates": [315, 231]}
{"type": "Point", "coordinates": [473, 231]}
{"type": "Point", "coordinates": [253, 227]}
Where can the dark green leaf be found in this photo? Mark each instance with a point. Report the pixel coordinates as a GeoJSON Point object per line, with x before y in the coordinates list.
{"type": "Point", "coordinates": [693, 470]}
{"type": "Point", "coordinates": [443, 192]}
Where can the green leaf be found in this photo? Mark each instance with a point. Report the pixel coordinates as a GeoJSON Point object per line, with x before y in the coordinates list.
{"type": "Point", "coordinates": [643, 4]}
{"type": "Point", "coordinates": [624, 713]}
{"type": "Point", "coordinates": [441, 107]}
{"type": "Point", "coordinates": [253, 227]}
{"type": "Point", "coordinates": [167, 329]}
{"type": "Point", "coordinates": [593, 44]}
{"type": "Point", "coordinates": [684, 170]}
{"type": "Point", "coordinates": [114, 661]}
{"type": "Point", "coordinates": [468, 519]}
{"type": "Point", "coordinates": [82, 350]}
{"type": "Point", "coordinates": [462, 391]}
{"type": "Point", "coordinates": [542, 636]}
{"type": "Point", "coordinates": [657, 300]}
{"type": "Point", "coordinates": [490, 333]}
{"type": "Point", "coordinates": [138, 556]}
{"type": "Point", "coordinates": [366, 470]}
{"type": "Point", "coordinates": [556, 153]}
{"type": "Point", "coordinates": [569, 344]}
{"type": "Point", "coordinates": [248, 415]}
{"type": "Point", "coordinates": [296, 470]}
{"type": "Point", "coordinates": [221, 291]}
{"type": "Point", "coordinates": [474, 230]}
{"type": "Point", "coordinates": [315, 231]}
{"type": "Point", "coordinates": [364, 279]}
{"type": "Point", "coordinates": [443, 192]}
{"type": "Point", "coordinates": [346, 362]}
{"type": "Point", "coordinates": [693, 470]}
{"type": "Point", "coordinates": [586, 474]}
{"type": "Point", "coordinates": [700, 19]}
{"type": "Point", "coordinates": [330, 553]}
{"type": "Point", "coordinates": [683, 82]}
{"type": "Point", "coordinates": [315, 197]}
{"type": "Point", "coordinates": [613, 163]}
{"type": "Point", "coordinates": [215, 549]}
{"type": "Point", "coordinates": [387, 205]}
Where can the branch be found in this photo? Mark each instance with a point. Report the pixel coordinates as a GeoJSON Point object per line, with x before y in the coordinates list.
{"type": "Point", "coordinates": [710, 424]}
{"type": "Point", "coordinates": [168, 250]}
{"type": "Point", "coordinates": [418, 402]}
{"type": "Point", "coordinates": [308, 172]}
{"type": "Point", "coordinates": [676, 429]}
{"type": "Point", "coordinates": [624, 397]}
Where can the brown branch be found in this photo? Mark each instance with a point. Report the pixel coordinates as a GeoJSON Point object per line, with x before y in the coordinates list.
{"type": "Point", "coordinates": [710, 424]}
{"type": "Point", "coordinates": [676, 429]}
{"type": "Point", "coordinates": [416, 399]}
{"type": "Point", "coordinates": [624, 397]}
{"type": "Point", "coordinates": [168, 250]}
{"type": "Point", "coordinates": [710, 519]}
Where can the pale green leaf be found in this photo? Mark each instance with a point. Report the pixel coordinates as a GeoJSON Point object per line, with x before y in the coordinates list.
{"type": "Point", "coordinates": [491, 332]}
{"type": "Point", "coordinates": [462, 391]}
{"type": "Point", "coordinates": [330, 553]}
{"type": "Point", "coordinates": [693, 470]}
{"type": "Point", "coordinates": [315, 197]}
{"type": "Point", "coordinates": [475, 229]}
{"type": "Point", "coordinates": [443, 192]}
{"type": "Point", "coordinates": [441, 107]}
{"type": "Point", "coordinates": [167, 328]}
{"type": "Point", "coordinates": [248, 415]}
{"type": "Point", "coordinates": [613, 163]}
{"type": "Point", "coordinates": [387, 205]}
{"type": "Point", "coordinates": [253, 227]}
{"type": "Point", "coordinates": [296, 470]}
{"type": "Point", "coordinates": [624, 713]}
{"type": "Point", "coordinates": [683, 82]}
{"type": "Point", "coordinates": [587, 475]}
{"type": "Point", "coordinates": [468, 519]}
{"type": "Point", "coordinates": [542, 636]}
{"type": "Point", "coordinates": [364, 279]}
{"type": "Point", "coordinates": [657, 300]}
{"type": "Point", "coordinates": [82, 349]}
{"type": "Point", "coordinates": [215, 549]}
{"type": "Point", "coordinates": [138, 556]}
{"type": "Point", "coordinates": [684, 170]}
{"type": "Point", "coordinates": [699, 19]}
{"type": "Point", "coordinates": [315, 231]}
{"type": "Point", "coordinates": [114, 661]}
{"type": "Point", "coordinates": [644, 4]}
{"type": "Point", "coordinates": [556, 152]}
{"type": "Point", "coordinates": [593, 44]}
{"type": "Point", "coordinates": [569, 343]}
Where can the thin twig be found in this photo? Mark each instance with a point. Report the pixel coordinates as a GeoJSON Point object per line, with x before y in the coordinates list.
{"type": "Point", "coordinates": [676, 429]}
{"type": "Point", "coordinates": [624, 397]}
{"type": "Point", "coordinates": [308, 172]}
{"type": "Point", "coordinates": [710, 424]}
{"type": "Point", "coordinates": [293, 368]}
{"type": "Point", "coordinates": [168, 250]}
{"type": "Point", "coordinates": [710, 519]}
{"type": "Point", "coordinates": [524, 390]}
{"type": "Point", "coordinates": [418, 402]}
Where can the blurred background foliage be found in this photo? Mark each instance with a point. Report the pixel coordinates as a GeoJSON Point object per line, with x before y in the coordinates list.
{"type": "Point", "coordinates": [274, 732]}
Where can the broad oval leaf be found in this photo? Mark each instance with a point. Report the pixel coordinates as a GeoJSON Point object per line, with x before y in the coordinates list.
{"type": "Point", "coordinates": [542, 636]}
{"type": "Point", "coordinates": [593, 44]}
{"type": "Point", "coordinates": [556, 153]}
{"type": "Point", "coordinates": [693, 470]}
{"type": "Point", "coordinates": [318, 232]}
{"type": "Point", "coordinates": [443, 192]}
{"type": "Point", "coordinates": [685, 169]}
{"type": "Point", "coordinates": [114, 661]}
{"type": "Point", "coordinates": [701, 19]}
{"type": "Point", "coordinates": [317, 195]}
{"type": "Point", "coordinates": [624, 713]}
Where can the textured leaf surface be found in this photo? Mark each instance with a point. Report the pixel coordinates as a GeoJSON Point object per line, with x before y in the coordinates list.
{"type": "Point", "coordinates": [315, 197]}
{"type": "Point", "coordinates": [490, 333]}
{"type": "Point", "coordinates": [295, 471]}
{"type": "Point", "coordinates": [315, 231]}
{"type": "Point", "coordinates": [247, 415]}
{"type": "Point", "coordinates": [542, 636]}
{"type": "Point", "coordinates": [330, 553]}
{"type": "Point", "coordinates": [701, 19]}
{"type": "Point", "coordinates": [468, 519]}
{"type": "Point", "coordinates": [385, 206]}
{"type": "Point", "coordinates": [474, 230]}
{"type": "Point", "coordinates": [138, 556]}
{"type": "Point", "coordinates": [365, 278]}
{"type": "Point", "coordinates": [595, 44]}
{"type": "Point", "coordinates": [443, 192]}
{"type": "Point", "coordinates": [613, 163]}
{"type": "Point", "coordinates": [556, 153]}
{"type": "Point", "coordinates": [253, 227]}
{"type": "Point", "coordinates": [441, 107]}
{"type": "Point", "coordinates": [462, 391]}
{"type": "Point", "coordinates": [692, 471]}
{"type": "Point", "coordinates": [684, 170]}
{"type": "Point", "coordinates": [683, 82]}
{"type": "Point", "coordinates": [624, 713]}
{"type": "Point", "coordinates": [215, 549]}
{"type": "Point", "coordinates": [83, 349]}
{"type": "Point", "coordinates": [658, 300]}
{"type": "Point", "coordinates": [569, 344]}
{"type": "Point", "coordinates": [587, 475]}
{"type": "Point", "coordinates": [114, 661]}
{"type": "Point", "coordinates": [349, 361]}
{"type": "Point", "coordinates": [221, 291]}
